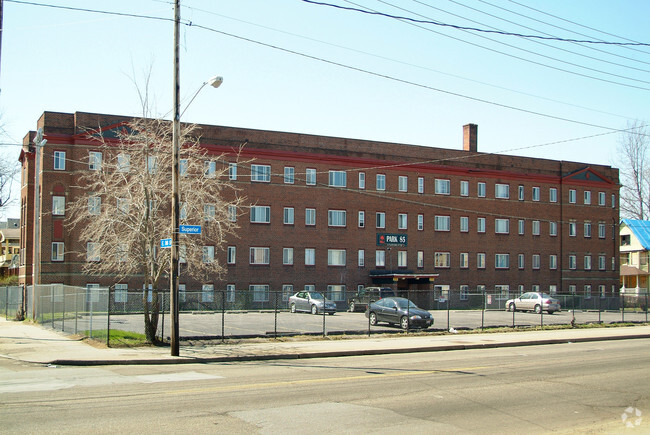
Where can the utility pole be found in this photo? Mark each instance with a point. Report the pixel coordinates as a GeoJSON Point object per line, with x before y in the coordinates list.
{"type": "Point", "coordinates": [39, 142]}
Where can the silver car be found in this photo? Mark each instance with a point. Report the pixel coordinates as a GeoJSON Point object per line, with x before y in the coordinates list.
{"type": "Point", "coordinates": [534, 301]}
{"type": "Point", "coordinates": [311, 302]}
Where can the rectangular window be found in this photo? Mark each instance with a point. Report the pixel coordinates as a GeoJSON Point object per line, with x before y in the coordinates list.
{"type": "Point", "coordinates": [338, 179]}
{"type": "Point", "coordinates": [209, 211]}
{"type": "Point", "coordinates": [552, 194]}
{"type": "Point", "coordinates": [380, 219]}
{"type": "Point", "coordinates": [207, 293]}
{"type": "Point", "coordinates": [402, 221]}
{"type": "Point", "coordinates": [310, 217]}
{"type": "Point", "coordinates": [420, 259]}
{"type": "Point", "coordinates": [552, 229]}
{"type": "Point", "coordinates": [380, 258]}
{"type": "Point", "coordinates": [464, 188]}
{"type": "Point", "coordinates": [231, 291]}
{"type": "Point", "coordinates": [587, 197]}
{"type": "Point", "coordinates": [402, 183]}
{"type": "Point", "coordinates": [232, 213]}
{"type": "Point", "coordinates": [152, 164]}
{"type": "Point", "coordinates": [441, 259]}
{"type": "Point", "coordinates": [480, 192]}
{"type": "Point", "coordinates": [361, 257]}
{"type": "Point", "coordinates": [59, 160]}
{"type": "Point", "coordinates": [501, 261]}
{"type": "Point", "coordinates": [287, 256]}
{"type": "Point", "coordinates": [401, 259]}
{"type": "Point", "coordinates": [92, 251]}
{"type": "Point", "coordinates": [502, 191]}
{"type": "Point", "coordinates": [442, 187]}
{"type": "Point", "coordinates": [520, 192]}
{"type": "Point", "coordinates": [552, 261]}
{"type": "Point", "coordinates": [573, 262]}
{"type": "Point", "coordinates": [122, 253]}
{"type": "Point", "coordinates": [587, 229]}
{"type": "Point", "coordinates": [502, 226]}
{"type": "Point", "coordinates": [336, 257]}
{"type": "Point", "coordinates": [182, 167]}
{"type": "Point", "coordinates": [362, 180]}
{"type": "Point", "coordinates": [94, 205]}
{"type": "Point", "coordinates": [521, 261]}
{"type": "Point", "coordinates": [208, 254]}
{"type": "Point", "coordinates": [124, 163]}
{"type": "Point", "coordinates": [232, 254]}
{"type": "Point", "coordinates": [381, 182]}
{"type": "Point", "coordinates": [464, 292]}
{"type": "Point", "coordinates": [57, 251]}
{"type": "Point", "coordinates": [362, 219]}
{"type": "Point", "coordinates": [94, 160]}
{"type": "Point", "coordinates": [464, 224]}
{"type": "Point", "coordinates": [289, 175]}
{"type": "Point", "coordinates": [210, 169]}
{"type": "Point", "coordinates": [480, 225]}
{"type": "Point", "coordinates": [536, 228]}
{"type": "Point", "coordinates": [58, 205]}
{"type": "Point", "coordinates": [587, 292]}
{"type": "Point", "coordinates": [336, 292]}
{"type": "Point", "coordinates": [260, 292]}
{"type": "Point", "coordinates": [464, 260]}
{"type": "Point", "coordinates": [336, 218]}
{"type": "Point", "coordinates": [587, 262]}
{"type": "Point", "coordinates": [613, 200]}
{"type": "Point", "coordinates": [535, 193]}
{"type": "Point", "coordinates": [602, 262]}
{"type": "Point", "coordinates": [261, 173]}
{"type": "Point", "coordinates": [536, 261]}
{"type": "Point", "coordinates": [480, 260]}
{"type": "Point", "coordinates": [259, 255]}
{"type": "Point", "coordinates": [288, 216]}
{"type": "Point", "coordinates": [310, 256]}
{"type": "Point", "coordinates": [232, 171]}
{"type": "Point", "coordinates": [442, 223]}
{"type": "Point", "coordinates": [420, 222]}
{"type": "Point", "coordinates": [601, 231]}
{"type": "Point", "coordinates": [260, 214]}
{"type": "Point", "coordinates": [521, 226]}
{"type": "Point", "coordinates": [573, 229]}
{"type": "Point", "coordinates": [420, 184]}
{"type": "Point", "coordinates": [572, 196]}
{"type": "Point", "coordinates": [121, 293]}
{"type": "Point", "coordinates": [310, 177]}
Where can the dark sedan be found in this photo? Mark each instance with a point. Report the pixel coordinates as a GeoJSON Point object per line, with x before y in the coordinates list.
{"type": "Point", "coordinates": [399, 311]}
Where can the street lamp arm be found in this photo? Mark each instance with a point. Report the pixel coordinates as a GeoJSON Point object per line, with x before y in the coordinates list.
{"type": "Point", "coordinates": [215, 82]}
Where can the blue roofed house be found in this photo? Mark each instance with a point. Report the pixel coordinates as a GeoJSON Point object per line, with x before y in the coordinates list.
{"type": "Point", "coordinates": [634, 251]}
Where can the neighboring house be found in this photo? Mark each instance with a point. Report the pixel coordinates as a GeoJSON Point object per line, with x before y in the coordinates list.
{"type": "Point", "coordinates": [635, 247]}
{"type": "Point", "coordinates": [9, 250]}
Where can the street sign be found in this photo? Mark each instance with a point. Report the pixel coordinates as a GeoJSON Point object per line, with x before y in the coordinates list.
{"type": "Point", "coordinates": [165, 243]}
{"type": "Point", "coordinates": [189, 229]}
{"type": "Point", "coordinates": [392, 239]}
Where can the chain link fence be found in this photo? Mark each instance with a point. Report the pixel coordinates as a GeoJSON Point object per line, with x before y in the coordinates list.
{"type": "Point", "coordinates": [11, 301]}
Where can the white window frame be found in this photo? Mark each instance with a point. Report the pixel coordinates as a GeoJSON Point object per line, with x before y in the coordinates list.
{"type": "Point", "coordinates": [536, 193]}
{"type": "Point", "coordinates": [94, 160]}
{"type": "Point", "coordinates": [289, 175]}
{"type": "Point", "coordinates": [92, 252]}
{"type": "Point", "coordinates": [480, 225]}
{"type": "Point", "coordinates": [587, 197]}
{"type": "Point", "coordinates": [361, 257]}
{"type": "Point", "coordinates": [259, 255]}
{"type": "Point", "coordinates": [573, 195]}
{"type": "Point", "coordinates": [310, 217]}
{"type": "Point", "coordinates": [420, 222]}
{"type": "Point", "coordinates": [380, 220]}
{"type": "Point", "coordinates": [210, 169]}
{"type": "Point", "coordinates": [502, 191]}
{"type": "Point", "coordinates": [463, 261]}
{"type": "Point", "coordinates": [362, 180]}
{"type": "Point", "coordinates": [310, 177]}
{"type": "Point", "coordinates": [380, 183]}
{"type": "Point", "coordinates": [420, 184]}
{"type": "Point", "coordinates": [261, 173]}
{"type": "Point", "coordinates": [552, 194]}
{"type": "Point", "coordinates": [502, 261]}
{"type": "Point", "coordinates": [402, 221]}
{"type": "Point", "coordinates": [310, 257]}
{"type": "Point", "coordinates": [94, 205]}
{"type": "Point", "coordinates": [442, 186]}
{"type": "Point", "coordinates": [288, 216]}
{"type": "Point", "coordinates": [501, 226]}
{"type": "Point", "coordinates": [337, 179]}
{"type": "Point", "coordinates": [58, 251]}
{"type": "Point", "coordinates": [337, 218]}
{"type": "Point", "coordinates": [361, 219]}
{"type": "Point", "coordinates": [464, 188]}
{"type": "Point", "coordinates": [537, 261]}
{"type": "Point", "coordinates": [442, 223]}
{"type": "Point", "coordinates": [537, 228]}
{"type": "Point", "coordinates": [552, 261]}
{"type": "Point", "coordinates": [480, 260]}
{"type": "Point", "coordinates": [58, 205]}
{"type": "Point", "coordinates": [260, 214]}
{"type": "Point", "coordinates": [287, 256]}
{"type": "Point", "coordinates": [480, 189]}
{"type": "Point", "coordinates": [380, 258]}
{"type": "Point", "coordinates": [336, 257]}
{"type": "Point", "coordinates": [402, 183]}
{"type": "Point", "coordinates": [207, 255]}
{"type": "Point", "coordinates": [231, 255]}
{"type": "Point", "coordinates": [232, 171]}
{"type": "Point", "coordinates": [420, 260]}
{"type": "Point", "coordinates": [260, 292]}
{"type": "Point", "coordinates": [402, 259]}
{"type": "Point", "coordinates": [464, 224]}
{"type": "Point", "coordinates": [59, 160]}
{"type": "Point", "coordinates": [442, 260]}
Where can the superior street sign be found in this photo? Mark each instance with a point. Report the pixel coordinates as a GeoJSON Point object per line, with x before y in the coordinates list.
{"type": "Point", "coordinates": [189, 229]}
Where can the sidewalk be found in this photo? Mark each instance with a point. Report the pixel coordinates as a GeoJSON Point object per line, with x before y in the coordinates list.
{"type": "Point", "coordinates": [35, 344]}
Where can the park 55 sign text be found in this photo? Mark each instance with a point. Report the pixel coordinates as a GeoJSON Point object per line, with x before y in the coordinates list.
{"type": "Point", "coordinates": [392, 239]}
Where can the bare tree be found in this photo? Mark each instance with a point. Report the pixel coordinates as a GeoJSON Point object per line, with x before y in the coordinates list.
{"type": "Point", "coordinates": [8, 171]}
{"type": "Point", "coordinates": [124, 210]}
{"type": "Point", "coordinates": [633, 160]}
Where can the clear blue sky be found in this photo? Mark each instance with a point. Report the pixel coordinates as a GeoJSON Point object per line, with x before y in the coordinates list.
{"type": "Point", "coordinates": [422, 82]}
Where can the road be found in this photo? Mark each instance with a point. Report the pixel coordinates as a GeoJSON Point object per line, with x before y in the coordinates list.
{"type": "Point", "coordinates": [537, 389]}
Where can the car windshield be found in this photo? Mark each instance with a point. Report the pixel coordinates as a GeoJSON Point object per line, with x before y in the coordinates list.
{"type": "Point", "coordinates": [316, 295]}
{"type": "Point", "coordinates": [404, 303]}
{"type": "Point", "coordinates": [545, 296]}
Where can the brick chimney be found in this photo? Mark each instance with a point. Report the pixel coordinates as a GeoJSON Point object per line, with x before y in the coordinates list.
{"type": "Point", "coordinates": [470, 137]}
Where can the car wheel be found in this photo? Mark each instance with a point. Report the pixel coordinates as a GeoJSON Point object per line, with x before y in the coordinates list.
{"type": "Point", "coordinates": [331, 314]}
{"type": "Point", "coordinates": [293, 308]}
{"type": "Point", "coordinates": [352, 307]}
{"type": "Point", "coordinates": [511, 307]}
{"type": "Point", "coordinates": [538, 309]}
{"type": "Point", "coordinates": [314, 309]}
{"type": "Point", "coordinates": [404, 322]}
{"type": "Point", "coordinates": [373, 319]}
{"type": "Point", "coordinates": [550, 311]}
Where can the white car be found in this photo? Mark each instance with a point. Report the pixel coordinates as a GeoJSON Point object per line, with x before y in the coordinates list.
{"type": "Point", "coordinates": [534, 301]}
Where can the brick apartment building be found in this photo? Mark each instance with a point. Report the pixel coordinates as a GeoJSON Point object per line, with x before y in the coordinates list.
{"type": "Point", "coordinates": [334, 214]}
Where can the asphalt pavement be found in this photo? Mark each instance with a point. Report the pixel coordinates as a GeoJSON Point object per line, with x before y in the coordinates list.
{"type": "Point", "coordinates": [32, 343]}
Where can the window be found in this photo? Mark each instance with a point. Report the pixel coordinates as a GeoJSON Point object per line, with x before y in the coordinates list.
{"type": "Point", "coordinates": [208, 254]}
{"type": "Point", "coordinates": [601, 291]}
{"type": "Point", "coordinates": [310, 256]}
{"type": "Point", "coordinates": [573, 228]}
{"type": "Point", "coordinates": [552, 194]}
{"type": "Point", "coordinates": [420, 184]}
{"type": "Point", "coordinates": [602, 262]}
{"type": "Point", "coordinates": [613, 200]}
{"type": "Point", "coordinates": [536, 261]}
{"type": "Point", "coordinates": [338, 179]}
{"type": "Point", "coordinates": [336, 257]}
{"type": "Point", "coordinates": [336, 218]}
{"type": "Point", "coordinates": [572, 196]}
{"type": "Point", "coordinates": [92, 251]}
{"type": "Point", "coordinates": [464, 188]}
{"type": "Point", "coordinates": [401, 259]}
{"type": "Point", "coordinates": [122, 253]}
{"type": "Point", "coordinates": [573, 263]}
{"type": "Point", "coordinates": [521, 226]}
{"type": "Point", "coordinates": [520, 192]}
{"type": "Point", "coordinates": [381, 182]}
{"type": "Point", "coordinates": [232, 213]}
{"type": "Point", "coordinates": [402, 183]}
{"type": "Point", "coordinates": [58, 205]}
{"type": "Point", "coordinates": [210, 169]}
{"type": "Point", "coordinates": [521, 261]}
{"type": "Point", "coordinates": [310, 177]}
{"type": "Point", "coordinates": [362, 180]}
{"type": "Point", "coordinates": [232, 254]}
{"type": "Point", "coordinates": [601, 230]}
{"type": "Point", "coordinates": [310, 216]}
{"type": "Point", "coordinates": [501, 261]}
{"type": "Point", "coordinates": [502, 226]}
{"type": "Point", "coordinates": [587, 197]}
{"type": "Point", "coordinates": [381, 219]}
{"type": "Point", "coordinates": [442, 223]}
{"type": "Point", "coordinates": [152, 164]}
{"type": "Point", "coordinates": [336, 292]}
{"type": "Point", "coordinates": [209, 211]}
{"type": "Point", "coordinates": [380, 258]}
{"type": "Point", "coordinates": [261, 173]}
{"type": "Point", "coordinates": [442, 187]}
{"type": "Point", "coordinates": [402, 221]}
{"type": "Point", "coordinates": [57, 251]}
{"type": "Point", "coordinates": [361, 257]}
{"type": "Point", "coordinates": [536, 228]}
{"type": "Point", "coordinates": [289, 175]}
{"type": "Point", "coordinates": [232, 171]}
{"type": "Point", "coordinates": [480, 260]}
{"type": "Point", "coordinates": [481, 190]}
{"type": "Point", "coordinates": [464, 260]}
{"type": "Point", "coordinates": [464, 292]}
{"type": "Point", "coordinates": [464, 224]}
{"type": "Point", "coordinates": [288, 216]}
{"type": "Point", "coordinates": [572, 289]}
{"type": "Point", "coordinates": [587, 229]}
{"type": "Point", "coordinates": [587, 292]}
{"type": "Point", "coordinates": [259, 255]}
{"type": "Point", "coordinates": [260, 214]}
{"type": "Point", "coordinates": [124, 162]}
{"type": "Point", "coordinates": [535, 193]}
{"type": "Point", "coordinates": [260, 292]}
{"type": "Point", "coordinates": [480, 225]}
{"type": "Point", "coordinates": [587, 262]}
{"type": "Point", "coordinates": [94, 205]}
{"type": "Point", "coordinates": [59, 160]}
{"type": "Point", "coordinates": [502, 191]}
{"type": "Point", "coordinates": [552, 262]}
{"type": "Point", "coordinates": [441, 259]}
{"type": "Point", "coordinates": [420, 222]}
{"type": "Point", "coordinates": [287, 256]}
{"type": "Point", "coordinates": [552, 229]}
{"type": "Point", "coordinates": [121, 293]}
{"type": "Point", "coordinates": [207, 293]}
{"type": "Point", "coordinates": [420, 259]}
{"type": "Point", "coordinates": [231, 291]}
{"type": "Point", "coordinates": [94, 160]}
{"type": "Point", "coordinates": [362, 219]}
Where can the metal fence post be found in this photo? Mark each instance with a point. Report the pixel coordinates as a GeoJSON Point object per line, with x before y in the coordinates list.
{"type": "Point", "coordinates": [448, 308]}
{"type": "Point", "coordinates": [646, 306]}
{"type": "Point", "coordinates": [483, 310]}
{"type": "Point", "coordinates": [76, 310]}
{"type": "Point", "coordinates": [600, 301]}
{"type": "Point", "coordinates": [622, 298]}
{"type": "Point", "coordinates": [7, 303]}
{"type": "Point", "coordinates": [108, 318]}
{"type": "Point", "coordinates": [52, 303]}
{"type": "Point", "coordinates": [162, 328]}
{"type": "Point", "coordinates": [91, 313]}
{"type": "Point", "coordinates": [63, 309]}
{"type": "Point", "coordinates": [275, 327]}
{"type": "Point", "coordinates": [223, 314]}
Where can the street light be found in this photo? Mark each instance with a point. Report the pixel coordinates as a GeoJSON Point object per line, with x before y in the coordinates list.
{"type": "Point", "coordinates": [173, 273]}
